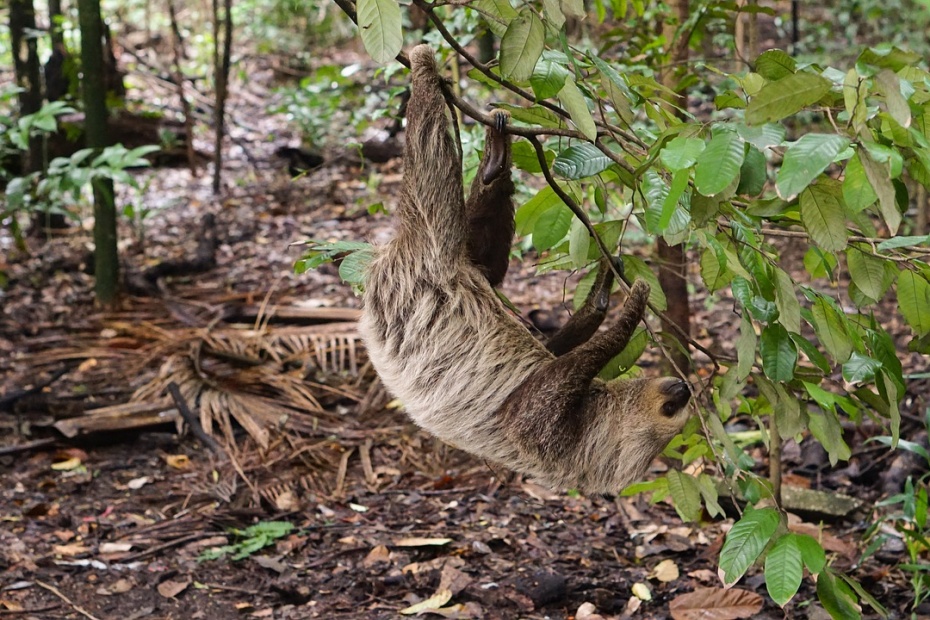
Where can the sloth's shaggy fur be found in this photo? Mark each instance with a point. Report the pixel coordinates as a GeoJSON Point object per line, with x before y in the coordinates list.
{"type": "Point", "coordinates": [464, 367]}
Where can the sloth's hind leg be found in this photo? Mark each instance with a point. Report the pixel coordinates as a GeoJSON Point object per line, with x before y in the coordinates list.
{"type": "Point", "coordinates": [547, 415]}
{"type": "Point", "coordinates": [584, 323]}
{"type": "Point", "coordinates": [489, 208]}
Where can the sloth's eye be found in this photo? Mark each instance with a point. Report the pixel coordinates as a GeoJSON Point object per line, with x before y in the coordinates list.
{"type": "Point", "coordinates": [678, 394]}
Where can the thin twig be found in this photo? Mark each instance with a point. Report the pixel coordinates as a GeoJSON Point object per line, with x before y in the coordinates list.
{"type": "Point", "coordinates": [192, 421]}
{"type": "Point", "coordinates": [73, 605]}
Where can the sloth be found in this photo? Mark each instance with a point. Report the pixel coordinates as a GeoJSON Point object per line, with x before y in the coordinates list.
{"type": "Point", "coordinates": [465, 368]}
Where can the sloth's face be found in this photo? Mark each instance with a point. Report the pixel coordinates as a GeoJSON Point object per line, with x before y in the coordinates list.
{"type": "Point", "coordinates": [668, 398]}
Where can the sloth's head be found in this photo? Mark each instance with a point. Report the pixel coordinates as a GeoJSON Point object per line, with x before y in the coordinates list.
{"type": "Point", "coordinates": [658, 406]}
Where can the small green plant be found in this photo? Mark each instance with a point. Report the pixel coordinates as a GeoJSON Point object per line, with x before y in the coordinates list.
{"type": "Point", "coordinates": [908, 518]}
{"type": "Point", "coordinates": [251, 539]}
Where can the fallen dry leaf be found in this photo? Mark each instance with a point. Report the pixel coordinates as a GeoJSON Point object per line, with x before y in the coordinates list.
{"type": "Point", "coordinates": [665, 571]}
{"type": "Point", "coordinates": [642, 592]}
{"type": "Point", "coordinates": [170, 588]}
{"type": "Point", "coordinates": [111, 547]}
{"type": "Point", "coordinates": [378, 554]}
{"type": "Point", "coordinates": [137, 483]}
{"type": "Point", "coordinates": [177, 461]}
{"type": "Point", "coordinates": [715, 604]}
{"type": "Point", "coordinates": [70, 550]}
{"type": "Point", "coordinates": [68, 465]}
{"type": "Point", "coordinates": [434, 602]}
{"type": "Point", "coordinates": [421, 542]}
{"type": "Point", "coordinates": [587, 611]}
{"type": "Point", "coordinates": [453, 579]}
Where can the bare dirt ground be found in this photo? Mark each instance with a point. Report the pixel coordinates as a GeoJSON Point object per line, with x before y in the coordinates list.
{"type": "Point", "coordinates": [116, 524]}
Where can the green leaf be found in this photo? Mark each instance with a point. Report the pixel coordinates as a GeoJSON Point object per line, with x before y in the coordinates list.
{"type": "Point", "coordinates": [681, 153]}
{"type": "Point", "coordinates": [836, 597]}
{"type": "Point", "coordinates": [879, 177]}
{"type": "Point", "coordinates": [779, 355]}
{"type": "Point", "coordinates": [714, 268]}
{"type": "Point", "coordinates": [763, 136]}
{"type": "Point", "coordinates": [805, 160]}
{"type": "Point", "coordinates": [379, 23]}
{"type": "Point", "coordinates": [635, 267]}
{"type": "Point", "coordinates": [551, 227]}
{"type": "Point", "coordinates": [498, 13]}
{"type": "Point", "coordinates": [745, 541]}
{"type": "Point", "coordinates": [576, 106]}
{"type": "Point", "coordinates": [889, 85]}
{"type": "Point", "coordinates": [868, 272]}
{"type": "Point", "coordinates": [686, 494]}
{"type": "Point", "coordinates": [784, 569]}
{"type": "Point", "coordinates": [811, 552]}
{"type": "Point", "coordinates": [775, 65]}
{"type": "Point", "coordinates": [353, 266]}
{"type": "Point", "coordinates": [900, 242]}
{"type": "Point", "coordinates": [718, 166]}
{"type": "Point", "coordinates": [818, 263]}
{"type": "Point", "coordinates": [548, 78]}
{"type": "Point", "coordinates": [581, 160]}
{"type": "Point", "coordinates": [789, 309]}
{"type": "Point", "coordinates": [521, 46]}
{"type": "Point", "coordinates": [914, 300]}
{"type": "Point", "coordinates": [533, 115]}
{"type": "Point", "coordinates": [745, 348]}
{"type": "Point", "coordinates": [528, 213]}
{"type": "Point", "coordinates": [826, 428]}
{"type": "Point", "coordinates": [626, 359]}
{"type": "Point", "coordinates": [823, 217]}
{"type": "Point", "coordinates": [860, 368]}
{"type": "Point", "coordinates": [554, 16]}
{"type": "Point", "coordinates": [670, 204]}
{"type": "Point", "coordinates": [783, 98]}
{"type": "Point", "coordinates": [831, 330]}
{"type": "Point", "coordinates": [752, 174]}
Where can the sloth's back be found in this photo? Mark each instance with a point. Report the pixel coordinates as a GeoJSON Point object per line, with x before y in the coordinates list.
{"type": "Point", "coordinates": [444, 344]}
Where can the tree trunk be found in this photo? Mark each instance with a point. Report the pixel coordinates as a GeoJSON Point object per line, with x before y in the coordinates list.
{"type": "Point", "coordinates": [221, 68]}
{"type": "Point", "coordinates": [673, 268]}
{"type": "Point", "coordinates": [26, 68]}
{"type": "Point", "coordinates": [106, 260]}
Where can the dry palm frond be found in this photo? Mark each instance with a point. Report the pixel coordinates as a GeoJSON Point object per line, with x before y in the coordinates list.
{"type": "Point", "coordinates": [256, 378]}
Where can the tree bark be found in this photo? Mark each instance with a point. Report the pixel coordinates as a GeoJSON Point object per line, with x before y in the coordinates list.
{"type": "Point", "coordinates": [26, 68]}
{"type": "Point", "coordinates": [221, 68]}
{"type": "Point", "coordinates": [106, 260]}
{"type": "Point", "coordinates": [673, 268]}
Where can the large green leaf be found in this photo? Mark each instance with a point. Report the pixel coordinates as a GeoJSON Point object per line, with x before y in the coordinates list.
{"type": "Point", "coordinates": [783, 98]}
{"type": "Point", "coordinates": [686, 495]}
{"type": "Point", "coordinates": [779, 355]}
{"type": "Point", "coordinates": [498, 14]}
{"type": "Point", "coordinates": [860, 368]}
{"type": "Point", "coordinates": [805, 160]}
{"type": "Point", "coordinates": [830, 329]}
{"type": "Point", "coordinates": [789, 309]}
{"type": "Point", "coordinates": [681, 152]}
{"type": "Point", "coordinates": [548, 78]}
{"type": "Point", "coordinates": [379, 23]}
{"type": "Point", "coordinates": [775, 65]}
{"type": "Point", "coordinates": [551, 227]}
{"type": "Point", "coordinates": [577, 107]}
{"type": "Point", "coordinates": [753, 173]}
{"type": "Point", "coordinates": [529, 212]}
{"type": "Point", "coordinates": [889, 85]}
{"type": "Point", "coordinates": [825, 426]}
{"type": "Point", "coordinates": [784, 569]}
{"type": "Point", "coordinates": [857, 191]}
{"type": "Point", "coordinates": [823, 217]}
{"type": "Point", "coordinates": [836, 597]}
{"type": "Point", "coordinates": [718, 166]}
{"type": "Point", "coordinates": [745, 348]}
{"type": "Point", "coordinates": [879, 176]}
{"type": "Point", "coordinates": [521, 46]}
{"type": "Point", "coordinates": [811, 552]}
{"type": "Point", "coordinates": [581, 160]}
{"type": "Point", "coordinates": [914, 300]}
{"type": "Point", "coordinates": [745, 541]}
{"type": "Point", "coordinates": [635, 267]}
{"type": "Point", "coordinates": [867, 272]}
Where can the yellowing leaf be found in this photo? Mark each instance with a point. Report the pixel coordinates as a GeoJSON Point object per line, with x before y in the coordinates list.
{"type": "Point", "coordinates": [665, 571]}
{"type": "Point", "coordinates": [434, 602]}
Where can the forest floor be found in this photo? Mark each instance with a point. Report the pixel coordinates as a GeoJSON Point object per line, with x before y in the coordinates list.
{"type": "Point", "coordinates": [121, 522]}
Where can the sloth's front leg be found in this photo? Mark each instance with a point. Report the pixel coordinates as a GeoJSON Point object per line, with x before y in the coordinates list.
{"type": "Point", "coordinates": [584, 323]}
{"type": "Point", "coordinates": [489, 208]}
{"type": "Point", "coordinates": [546, 415]}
